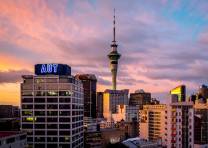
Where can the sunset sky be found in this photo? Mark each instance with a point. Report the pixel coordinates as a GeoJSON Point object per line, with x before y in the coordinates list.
{"type": "Point", "coordinates": [163, 43]}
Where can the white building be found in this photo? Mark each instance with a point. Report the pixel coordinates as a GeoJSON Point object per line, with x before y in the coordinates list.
{"type": "Point", "coordinates": [52, 107]}
{"type": "Point", "coordinates": [180, 125]}
{"type": "Point", "coordinates": [172, 125]}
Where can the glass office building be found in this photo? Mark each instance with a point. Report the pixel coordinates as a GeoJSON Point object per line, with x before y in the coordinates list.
{"type": "Point", "coordinates": [52, 108]}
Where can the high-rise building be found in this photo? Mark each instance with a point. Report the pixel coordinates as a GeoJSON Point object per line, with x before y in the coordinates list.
{"type": "Point", "coordinates": [140, 97]}
{"type": "Point", "coordinates": [114, 56]}
{"type": "Point", "coordinates": [52, 107]}
{"type": "Point", "coordinates": [89, 84]}
{"type": "Point", "coordinates": [180, 125]}
{"type": "Point", "coordinates": [112, 98]}
{"type": "Point", "coordinates": [100, 104]}
{"type": "Point", "coordinates": [178, 94]}
{"type": "Point", "coordinates": [152, 123]}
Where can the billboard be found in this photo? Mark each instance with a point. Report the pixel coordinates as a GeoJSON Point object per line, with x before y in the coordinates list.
{"type": "Point", "coordinates": [52, 69]}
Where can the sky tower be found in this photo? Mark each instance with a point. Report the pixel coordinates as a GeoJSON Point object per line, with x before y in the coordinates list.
{"type": "Point", "coordinates": [114, 56]}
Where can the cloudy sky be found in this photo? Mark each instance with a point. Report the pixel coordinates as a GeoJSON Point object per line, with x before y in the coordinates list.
{"type": "Point", "coordinates": [163, 43]}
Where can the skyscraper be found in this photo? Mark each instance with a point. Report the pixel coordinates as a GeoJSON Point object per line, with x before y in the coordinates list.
{"type": "Point", "coordinates": [52, 107]}
{"type": "Point", "coordinates": [114, 56]}
{"type": "Point", "coordinates": [89, 84]}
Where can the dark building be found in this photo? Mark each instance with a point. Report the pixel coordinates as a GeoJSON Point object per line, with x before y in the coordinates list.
{"type": "Point", "coordinates": [99, 104]}
{"type": "Point", "coordinates": [192, 98]}
{"type": "Point", "coordinates": [140, 98]}
{"type": "Point", "coordinates": [201, 125]}
{"type": "Point", "coordinates": [203, 93]}
{"type": "Point", "coordinates": [89, 84]}
{"type": "Point", "coordinates": [9, 124]}
{"type": "Point", "coordinates": [9, 111]}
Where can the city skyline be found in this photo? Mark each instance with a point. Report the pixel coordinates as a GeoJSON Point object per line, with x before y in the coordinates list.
{"type": "Point", "coordinates": [163, 43]}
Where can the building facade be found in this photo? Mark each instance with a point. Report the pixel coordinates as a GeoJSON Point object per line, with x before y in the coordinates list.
{"type": "Point", "coordinates": [140, 98]}
{"type": "Point", "coordinates": [201, 123]}
{"type": "Point", "coordinates": [9, 111]}
{"type": "Point", "coordinates": [178, 94]}
{"type": "Point", "coordinates": [99, 104]}
{"type": "Point", "coordinates": [180, 125]}
{"type": "Point", "coordinates": [13, 139]}
{"type": "Point", "coordinates": [112, 98]}
{"type": "Point", "coordinates": [52, 107]}
{"type": "Point", "coordinates": [152, 119]}
{"type": "Point", "coordinates": [89, 84]}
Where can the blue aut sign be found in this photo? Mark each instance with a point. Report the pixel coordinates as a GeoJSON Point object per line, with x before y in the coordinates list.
{"type": "Point", "coordinates": [55, 69]}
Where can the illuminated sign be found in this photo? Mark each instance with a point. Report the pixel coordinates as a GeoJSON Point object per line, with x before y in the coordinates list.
{"type": "Point", "coordinates": [55, 69]}
{"type": "Point", "coordinates": [49, 68]}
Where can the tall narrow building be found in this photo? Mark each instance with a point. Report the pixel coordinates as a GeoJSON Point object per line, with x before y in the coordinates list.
{"type": "Point", "coordinates": [114, 56]}
{"type": "Point", "coordinates": [89, 82]}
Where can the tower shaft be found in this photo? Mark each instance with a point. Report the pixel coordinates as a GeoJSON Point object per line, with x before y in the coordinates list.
{"type": "Point", "coordinates": [114, 56]}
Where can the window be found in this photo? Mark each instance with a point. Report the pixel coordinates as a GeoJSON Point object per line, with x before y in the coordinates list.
{"type": "Point", "coordinates": [64, 113]}
{"type": "Point", "coordinates": [39, 139]}
{"type": "Point", "coordinates": [39, 106]}
{"type": "Point", "coordinates": [64, 119]}
{"type": "Point", "coordinates": [27, 100]}
{"type": "Point", "coordinates": [39, 100]}
{"type": "Point", "coordinates": [39, 93]}
{"type": "Point", "coordinates": [52, 139]}
{"type": "Point", "coordinates": [52, 126]}
{"type": "Point", "coordinates": [27, 113]}
{"type": "Point", "coordinates": [52, 106]}
{"type": "Point", "coordinates": [65, 100]}
{"type": "Point", "coordinates": [52, 113]}
{"type": "Point", "coordinates": [52, 119]}
{"type": "Point", "coordinates": [40, 126]}
{"type": "Point", "coordinates": [52, 133]}
{"type": "Point", "coordinates": [64, 133]}
{"type": "Point", "coordinates": [39, 119]}
{"type": "Point", "coordinates": [27, 93]}
{"type": "Point", "coordinates": [27, 106]}
{"type": "Point", "coordinates": [65, 93]}
{"type": "Point", "coordinates": [52, 100]}
{"type": "Point", "coordinates": [52, 93]}
{"type": "Point", "coordinates": [67, 106]}
{"type": "Point", "coordinates": [64, 139]}
{"type": "Point", "coordinates": [40, 132]}
{"type": "Point", "coordinates": [64, 126]}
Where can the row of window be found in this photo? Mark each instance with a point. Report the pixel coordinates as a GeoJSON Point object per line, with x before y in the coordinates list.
{"type": "Point", "coordinates": [48, 126]}
{"type": "Point", "coordinates": [43, 100]}
{"type": "Point", "coordinates": [48, 93]}
{"type": "Point", "coordinates": [52, 113]}
{"type": "Point", "coordinates": [49, 139]}
{"type": "Point", "coordinates": [53, 133]}
{"type": "Point", "coordinates": [51, 106]}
